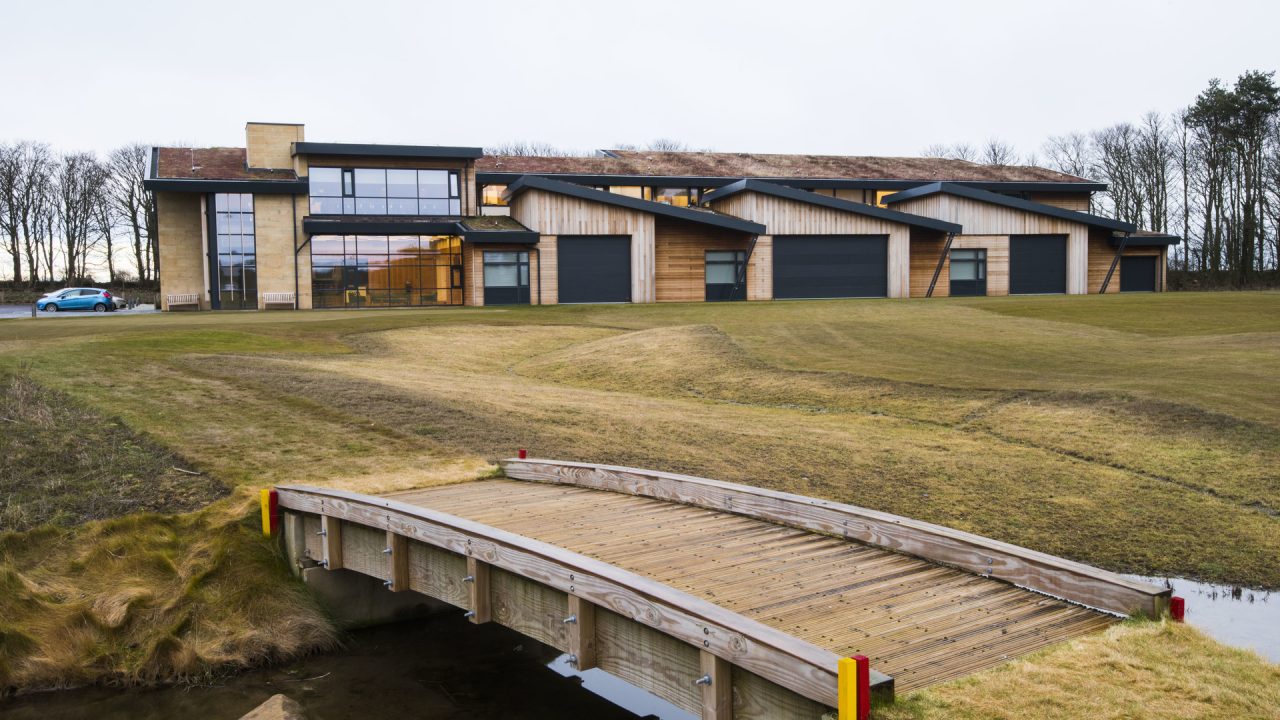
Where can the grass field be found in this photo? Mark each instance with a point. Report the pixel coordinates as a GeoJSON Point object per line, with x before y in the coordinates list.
{"type": "Point", "coordinates": [1138, 433]}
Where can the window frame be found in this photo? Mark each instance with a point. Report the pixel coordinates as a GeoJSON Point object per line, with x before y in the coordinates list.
{"type": "Point", "coordinates": [351, 199]}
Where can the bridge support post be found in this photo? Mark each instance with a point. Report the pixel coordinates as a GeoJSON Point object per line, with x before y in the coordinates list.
{"type": "Point", "coordinates": [397, 562]}
{"type": "Point", "coordinates": [478, 591]}
{"type": "Point", "coordinates": [581, 626]}
{"type": "Point", "coordinates": [331, 534]}
{"type": "Point", "coordinates": [717, 687]}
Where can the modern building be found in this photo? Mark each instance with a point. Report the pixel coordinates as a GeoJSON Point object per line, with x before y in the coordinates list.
{"type": "Point", "coordinates": [284, 222]}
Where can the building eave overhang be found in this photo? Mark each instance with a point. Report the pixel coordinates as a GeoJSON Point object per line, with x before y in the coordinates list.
{"type": "Point", "coordinates": [500, 178]}
{"type": "Point", "coordinates": [490, 237]}
{"type": "Point", "coordinates": [704, 217]}
{"type": "Point", "coordinates": [323, 225]}
{"type": "Point", "coordinates": [1145, 240]}
{"type": "Point", "coordinates": [804, 196]}
{"type": "Point", "coordinates": [197, 185]}
{"type": "Point", "coordinates": [439, 152]}
{"type": "Point", "coordinates": [985, 196]}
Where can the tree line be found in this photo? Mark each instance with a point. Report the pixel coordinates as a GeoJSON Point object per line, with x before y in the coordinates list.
{"type": "Point", "coordinates": [59, 213]}
{"type": "Point", "coordinates": [1209, 173]}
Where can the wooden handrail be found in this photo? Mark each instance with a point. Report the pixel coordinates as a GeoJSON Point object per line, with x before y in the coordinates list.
{"type": "Point", "coordinates": [1062, 578]}
{"type": "Point", "coordinates": [785, 660]}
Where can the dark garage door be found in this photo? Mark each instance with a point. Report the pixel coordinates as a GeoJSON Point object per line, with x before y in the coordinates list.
{"type": "Point", "coordinates": [1037, 264]}
{"type": "Point", "coordinates": [830, 266]}
{"type": "Point", "coordinates": [594, 269]}
{"type": "Point", "coordinates": [1138, 274]}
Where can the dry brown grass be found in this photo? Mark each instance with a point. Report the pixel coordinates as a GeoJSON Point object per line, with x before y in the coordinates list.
{"type": "Point", "coordinates": [1062, 429]}
{"type": "Point", "coordinates": [1132, 671]}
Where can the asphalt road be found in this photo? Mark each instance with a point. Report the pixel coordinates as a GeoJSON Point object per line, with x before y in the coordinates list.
{"type": "Point", "coordinates": [24, 311]}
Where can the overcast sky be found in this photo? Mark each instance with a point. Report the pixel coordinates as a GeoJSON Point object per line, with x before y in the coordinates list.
{"type": "Point", "coordinates": [782, 76]}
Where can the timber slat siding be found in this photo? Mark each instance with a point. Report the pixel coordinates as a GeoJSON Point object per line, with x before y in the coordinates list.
{"type": "Point", "coordinates": [681, 257]}
{"type": "Point", "coordinates": [985, 219]}
{"type": "Point", "coordinates": [551, 214]}
{"type": "Point", "coordinates": [789, 217]}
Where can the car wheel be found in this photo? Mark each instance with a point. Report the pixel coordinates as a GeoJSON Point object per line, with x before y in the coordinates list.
{"type": "Point", "coordinates": [99, 308]}
{"type": "Point", "coordinates": [51, 308]}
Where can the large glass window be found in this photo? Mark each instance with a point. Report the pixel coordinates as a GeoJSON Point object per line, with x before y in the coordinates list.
{"type": "Point", "coordinates": [506, 277]}
{"type": "Point", "coordinates": [968, 272]}
{"type": "Point", "coordinates": [678, 196]}
{"type": "Point", "coordinates": [725, 276]}
{"type": "Point", "coordinates": [384, 191]}
{"type": "Point", "coordinates": [386, 270]}
{"type": "Point", "coordinates": [235, 250]}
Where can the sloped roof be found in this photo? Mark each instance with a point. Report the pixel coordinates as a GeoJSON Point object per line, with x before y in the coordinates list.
{"type": "Point", "coordinates": [704, 217]}
{"type": "Point", "coordinates": [972, 193]}
{"type": "Point", "coordinates": [804, 196]}
{"type": "Point", "coordinates": [760, 165]}
{"type": "Point", "coordinates": [212, 163]}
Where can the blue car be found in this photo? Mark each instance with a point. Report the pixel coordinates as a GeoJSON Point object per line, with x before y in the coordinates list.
{"type": "Point", "coordinates": [77, 299]}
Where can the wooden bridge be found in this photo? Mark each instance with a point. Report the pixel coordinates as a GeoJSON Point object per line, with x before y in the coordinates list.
{"type": "Point", "coordinates": [726, 600]}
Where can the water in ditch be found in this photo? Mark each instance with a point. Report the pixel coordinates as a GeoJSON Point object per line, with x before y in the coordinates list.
{"type": "Point", "coordinates": [444, 667]}
{"type": "Point", "coordinates": [440, 667]}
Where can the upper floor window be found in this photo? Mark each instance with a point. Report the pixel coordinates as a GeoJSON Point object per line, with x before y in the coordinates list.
{"type": "Point", "coordinates": [384, 191]}
{"type": "Point", "coordinates": [491, 195]}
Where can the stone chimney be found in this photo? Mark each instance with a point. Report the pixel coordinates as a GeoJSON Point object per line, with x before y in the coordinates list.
{"type": "Point", "coordinates": [270, 145]}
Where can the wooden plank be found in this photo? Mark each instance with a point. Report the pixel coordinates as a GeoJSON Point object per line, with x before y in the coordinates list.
{"type": "Point", "coordinates": [331, 537]}
{"type": "Point", "coordinates": [530, 608]}
{"type": "Point", "coordinates": [438, 574]}
{"type": "Point", "coordinates": [797, 665]}
{"type": "Point", "coordinates": [362, 550]}
{"type": "Point", "coordinates": [755, 698]}
{"type": "Point", "coordinates": [582, 632]}
{"type": "Point", "coordinates": [649, 659]}
{"type": "Point", "coordinates": [991, 558]}
{"type": "Point", "coordinates": [398, 561]}
{"type": "Point", "coordinates": [717, 687]}
{"type": "Point", "coordinates": [478, 598]}
{"type": "Point", "coordinates": [314, 548]}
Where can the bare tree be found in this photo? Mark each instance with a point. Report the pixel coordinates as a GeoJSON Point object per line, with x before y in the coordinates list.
{"type": "Point", "coordinates": [1072, 154]}
{"type": "Point", "coordinates": [668, 145]}
{"type": "Point", "coordinates": [999, 152]}
{"type": "Point", "coordinates": [10, 172]}
{"type": "Point", "coordinates": [524, 148]}
{"type": "Point", "coordinates": [956, 151]}
{"type": "Point", "coordinates": [133, 205]}
{"type": "Point", "coordinates": [79, 182]}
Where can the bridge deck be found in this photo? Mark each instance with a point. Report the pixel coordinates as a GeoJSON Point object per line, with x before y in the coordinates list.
{"type": "Point", "coordinates": [919, 622]}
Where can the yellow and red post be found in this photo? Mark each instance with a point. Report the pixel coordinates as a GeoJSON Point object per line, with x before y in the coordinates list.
{"type": "Point", "coordinates": [270, 512]}
{"type": "Point", "coordinates": [854, 688]}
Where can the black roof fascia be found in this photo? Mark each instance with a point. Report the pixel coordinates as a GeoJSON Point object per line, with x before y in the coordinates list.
{"type": "Point", "coordinates": [810, 198]}
{"type": "Point", "coordinates": [196, 185]}
{"type": "Point", "coordinates": [1145, 240]}
{"type": "Point", "coordinates": [987, 196]}
{"type": "Point", "coordinates": [705, 217]}
{"type": "Point", "coordinates": [416, 151]}
{"type": "Point", "coordinates": [807, 183]}
{"type": "Point", "coordinates": [516, 237]}
{"type": "Point", "coordinates": [363, 226]}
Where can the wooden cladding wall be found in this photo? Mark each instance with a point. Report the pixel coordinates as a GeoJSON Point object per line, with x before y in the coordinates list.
{"type": "Point", "coordinates": [789, 217]}
{"type": "Point", "coordinates": [926, 248]}
{"type": "Point", "coordinates": [979, 218]}
{"type": "Point", "coordinates": [760, 270]}
{"type": "Point", "coordinates": [1078, 202]}
{"type": "Point", "coordinates": [1101, 255]}
{"type": "Point", "coordinates": [680, 249]}
{"type": "Point", "coordinates": [553, 214]}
